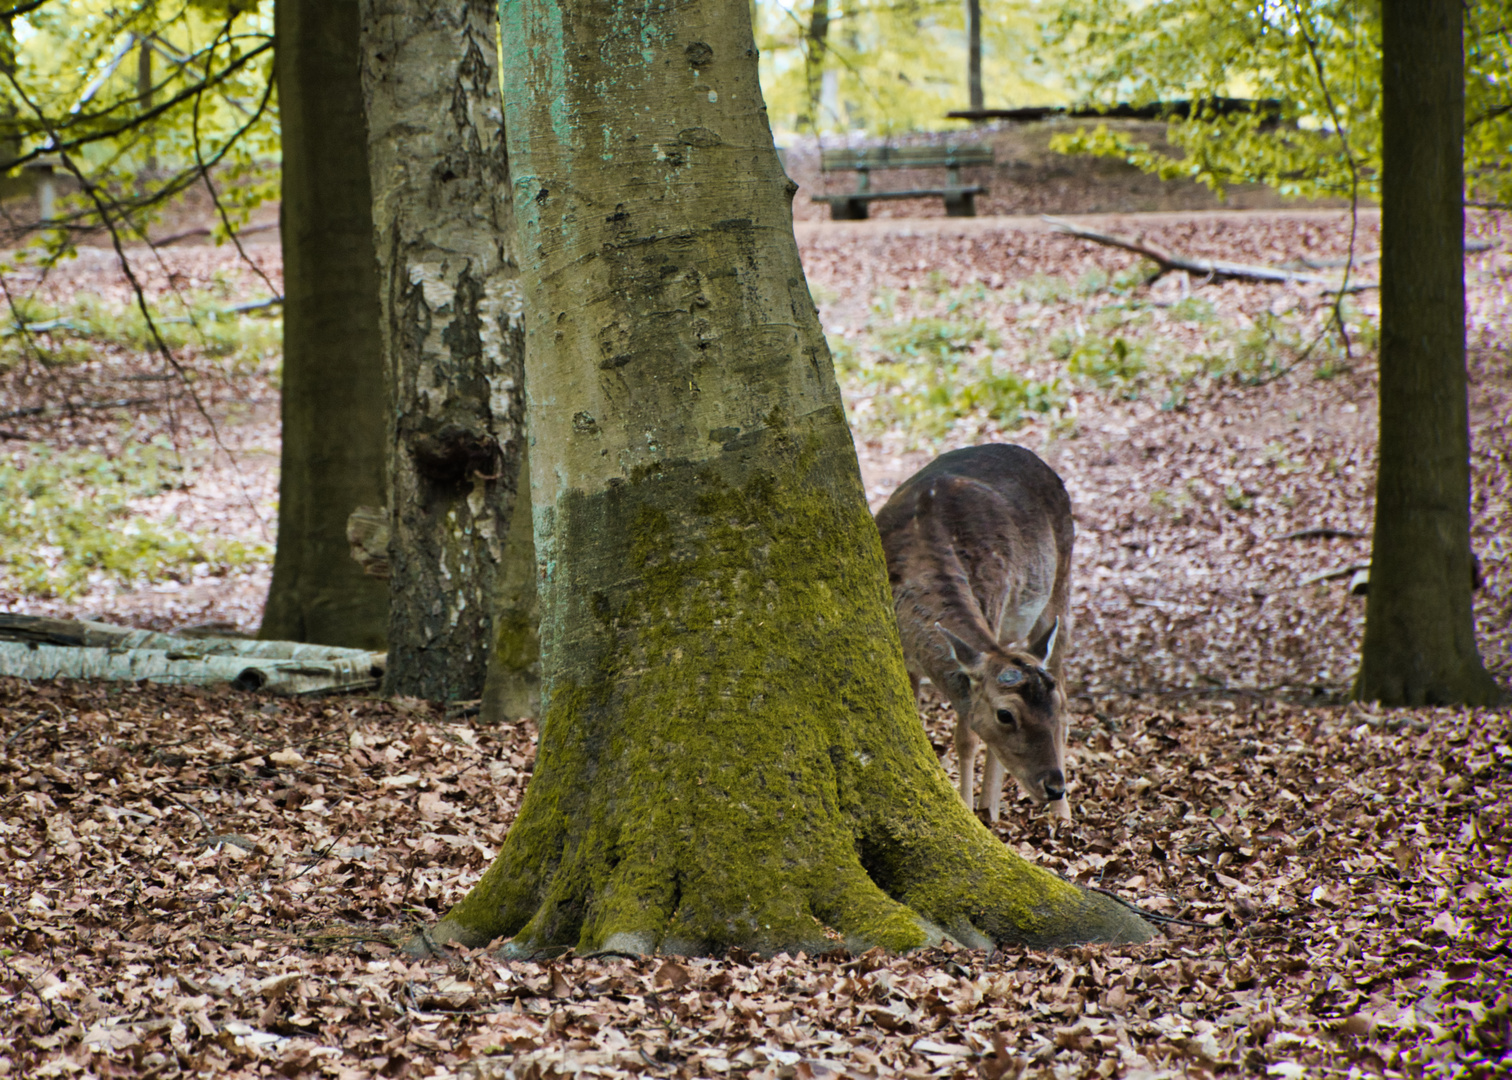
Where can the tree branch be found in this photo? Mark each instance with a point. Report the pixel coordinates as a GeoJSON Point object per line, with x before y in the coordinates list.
{"type": "Point", "coordinates": [1205, 267]}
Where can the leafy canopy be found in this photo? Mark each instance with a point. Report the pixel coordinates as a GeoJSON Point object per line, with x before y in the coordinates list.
{"type": "Point", "coordinates": [1319, 61]}
{"type": "Point", "coordinates": [138, 101]}
{"type": "Point", "coordinates": [894, 66]}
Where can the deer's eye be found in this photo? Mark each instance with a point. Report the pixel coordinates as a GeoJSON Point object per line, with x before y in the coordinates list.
{"type": "Point", "coordinates": [1005, 717]}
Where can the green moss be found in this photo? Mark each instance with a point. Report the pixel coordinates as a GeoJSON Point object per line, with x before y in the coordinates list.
{"type": "Point", "coordinates": [516, 645]}
{"type": "Point", "coordinates": [730, 754]}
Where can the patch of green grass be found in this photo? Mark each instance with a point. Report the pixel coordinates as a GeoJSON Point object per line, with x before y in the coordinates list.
{"type": "Point", "coordinates": [923, 376]}
{"type": "Point", "coordinates": [934, 338]}
{"type": "Point", "coordinates": [1116, 362]}
{"type": "Point", "coordinates": [1193, 309]}
{"type": "Point", "coordinates": [1041, 289]}
{"type": "Point", "coordinates": [79, 330]}
{"type": "Point", "coordinates": [67, 520]}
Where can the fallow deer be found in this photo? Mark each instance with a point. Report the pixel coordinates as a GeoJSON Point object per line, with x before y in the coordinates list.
{"type": "Point", "coordinates": [978, 546]}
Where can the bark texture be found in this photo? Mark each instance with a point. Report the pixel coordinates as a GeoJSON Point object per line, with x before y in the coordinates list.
{"type": "Point", "coordinates": [452, 334]}
{"type": "Point", "coordinates": [333, 398]}
{"type": "Point", "coordinates": [729, 750]}
{"type": "Point", "coordinates": [513, 687]}
{"type": "Point", "coordinates": [1419, 628]}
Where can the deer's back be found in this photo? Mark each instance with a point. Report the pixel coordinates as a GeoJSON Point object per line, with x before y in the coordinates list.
{"type": "Point", "coordinates": [977, 540]}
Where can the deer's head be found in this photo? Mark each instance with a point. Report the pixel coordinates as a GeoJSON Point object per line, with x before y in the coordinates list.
{"type": "Point", "coordinates": [1017, 709]}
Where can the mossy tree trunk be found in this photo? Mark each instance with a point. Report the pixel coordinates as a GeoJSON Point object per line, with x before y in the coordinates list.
{"type": "Point", "coordinates": [452, 336]}
{"type": "Point", "coordinates": [1419, 627]}
{"type": "Point", "coordinates": [729, 750]}
{"type": "Point", "coordinates": [513, 686]}
{"type": "Point", "coordinates": [333, 399]}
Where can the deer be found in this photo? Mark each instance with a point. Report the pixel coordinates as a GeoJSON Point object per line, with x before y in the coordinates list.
{"type": "Point", "coordinates": [978, 546]}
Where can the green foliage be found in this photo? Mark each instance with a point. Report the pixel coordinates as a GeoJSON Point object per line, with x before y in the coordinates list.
{"type": "Point", "coordinates": [68, 519]}
{"type": "Point", "coordinates": [88, 325]}
{"type": "Point", "coordinates": [888, 67]}
{"type": "Point", "coordinates": [1319, 59]}
{"type": "Point", "coordinates": [138, 100]}
{"type": "Point", "coordinates": [1104, 361]}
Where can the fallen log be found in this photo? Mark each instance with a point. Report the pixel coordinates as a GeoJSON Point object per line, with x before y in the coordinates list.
{"type": "Point", "coordinates": [32, 647]}
{"type": "Point", "coordinates": [1210, 268]}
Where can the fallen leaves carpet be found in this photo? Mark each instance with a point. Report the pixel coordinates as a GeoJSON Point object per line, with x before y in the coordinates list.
{"type": "Point", "coordinates": [202, 884]}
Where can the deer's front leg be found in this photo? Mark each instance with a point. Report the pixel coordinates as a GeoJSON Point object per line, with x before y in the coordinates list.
{"type": "Point", "coordinates": [967, 744]}
{"type": "Point", "coordinates": [992, 785]}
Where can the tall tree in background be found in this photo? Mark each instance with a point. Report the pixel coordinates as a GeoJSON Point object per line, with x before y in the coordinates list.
{"type": "Point", "coordinates": [334, 405]}
{"type": "Point", "coordinates": [729, 753]}
{"type": "Point", "coordinates": [452, 335]}
{"type": "Point", "coordinates": [815, 47]}
{"type": "Point", "coordinates": [974, 55]}
{"type": "Point", "coordinates": [1419, 626]}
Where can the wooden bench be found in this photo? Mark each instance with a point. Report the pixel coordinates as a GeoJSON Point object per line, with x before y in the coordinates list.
{"type": "Point", "coordinates": [960, 199]}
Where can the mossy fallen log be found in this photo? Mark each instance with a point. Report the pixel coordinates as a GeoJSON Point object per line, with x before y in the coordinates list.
{"type": "Point", "coordinates": [32, 647]}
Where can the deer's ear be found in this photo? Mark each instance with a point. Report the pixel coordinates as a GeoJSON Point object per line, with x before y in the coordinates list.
{"type": "Point", "coordinates": [1041, 648]}
{"type": "Point", "coordinates": [968, 658]}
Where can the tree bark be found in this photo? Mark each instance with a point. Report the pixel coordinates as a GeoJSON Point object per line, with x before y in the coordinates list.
{"type": "Point", "coordinates": [974, 55]}
{"type": "Point", "coordinates": [1419, 629]}
{"type": "Point", "coordinates": [333, 398]}
{"type": "Point", "coordinates": [729, 750]}
{"type": "Point", "coordinates": [452, 335]}
{"type": "Point", "coordinates": [513, 687]}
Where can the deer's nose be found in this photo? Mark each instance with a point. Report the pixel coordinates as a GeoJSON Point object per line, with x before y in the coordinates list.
{"type": "Point", "coordinates": [1054, 784]}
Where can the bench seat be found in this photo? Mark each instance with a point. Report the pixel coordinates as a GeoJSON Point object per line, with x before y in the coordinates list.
{"type": "Point", "coordinates": [851, 206]}
{"type": "Point", "coordinates": [960, 199]}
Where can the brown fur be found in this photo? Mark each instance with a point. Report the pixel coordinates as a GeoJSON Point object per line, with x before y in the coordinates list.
{"type": "Point", "coordinates": [978, 546]}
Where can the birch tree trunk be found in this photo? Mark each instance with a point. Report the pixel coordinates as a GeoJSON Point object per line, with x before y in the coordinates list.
{"type": "Point", "coordinates": [729, 751]}
{"type": "Point", "coordinates": [1419, 625]}
{"type": "Point", "coordinates": [452, 336]}
{"type": "Point", "coordinates": [333, 400]}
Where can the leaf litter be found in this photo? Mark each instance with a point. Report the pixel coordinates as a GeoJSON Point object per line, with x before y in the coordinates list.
{"type": "Point", "coordinates": [202, 883]}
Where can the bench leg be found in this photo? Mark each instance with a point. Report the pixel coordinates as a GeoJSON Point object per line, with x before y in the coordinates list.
{"type": "Point", "coordinates": [848, 210]}
{"type": "Point", "coordinates": [962, 205]}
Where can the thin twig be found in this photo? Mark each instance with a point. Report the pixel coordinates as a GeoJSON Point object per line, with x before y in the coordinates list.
{"type": "Point", "coordinates": [70, 407]}
{"type": "Point", "coordinates": [1150, 916]}
{"type": "Point", "coordinates": [320, 856]}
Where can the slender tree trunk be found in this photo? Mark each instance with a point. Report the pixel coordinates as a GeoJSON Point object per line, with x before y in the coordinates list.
{"type": "Point", "coordinates": [729, 749]}
{"type": "Point", "coordinates": [814, 56]}
{"type": "Point", "coordinates": [333, 397]}
{"type": "Point", "coordinates": [452, 335]}
{"type": "Point", "coordinates": [974, 54]}
{"type": "Point", "coordinates": [1419, 628]}
{"type": "Point", "coordinates": [10, 139]}
{"type": "Point", "coordinates": [145, 98]}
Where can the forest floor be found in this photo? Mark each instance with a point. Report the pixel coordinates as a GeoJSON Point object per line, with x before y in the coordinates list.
{"type": "Point", "coordinates": [211, 884]}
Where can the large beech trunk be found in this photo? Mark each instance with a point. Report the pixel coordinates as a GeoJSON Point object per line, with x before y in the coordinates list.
{"type": "Point", "coordinates": [333, 399]}
{"type": "Point", "coordinates": [1419, 627]}
{"type": "Point", "coordinates": [452, 340]}
{"type": "Point", "coordinates": [729, 750]}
